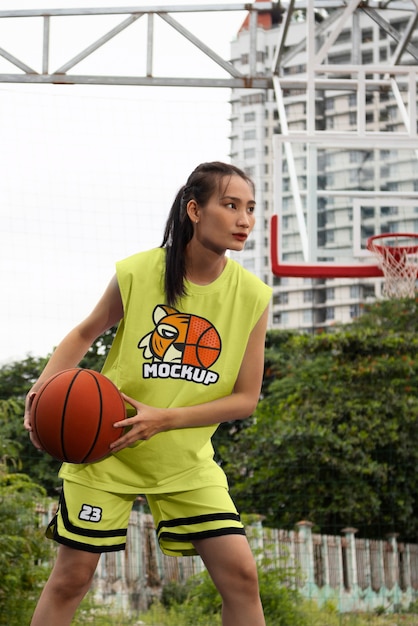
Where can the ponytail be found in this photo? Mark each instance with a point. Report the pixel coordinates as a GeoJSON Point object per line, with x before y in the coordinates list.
{"type": "Point", "coordinates": [177, 234]}
{"type": "Point", "coordinates": [200, 186]}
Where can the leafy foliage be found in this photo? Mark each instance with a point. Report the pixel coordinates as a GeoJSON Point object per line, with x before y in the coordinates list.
{"type": "Point", "coordinates": [22, 549]}
{"type": "Point", "coordinates": [16, 378]}
{"type": "Point", "coordinates": [198, 602]}
{"type": "Point", "coordinates": [333, 441]}
{"type": "Point", "coordinates": [96, 355]}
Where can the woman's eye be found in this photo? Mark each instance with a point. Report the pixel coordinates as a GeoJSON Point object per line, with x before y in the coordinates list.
{"type": "Point", "coordinates": [231, 205]}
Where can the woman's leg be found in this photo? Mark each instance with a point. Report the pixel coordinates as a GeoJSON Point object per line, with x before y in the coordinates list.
{"type": "Point", "coordinates": [67, 585]}
{"type": "Point", "coordinates": [232, 567]}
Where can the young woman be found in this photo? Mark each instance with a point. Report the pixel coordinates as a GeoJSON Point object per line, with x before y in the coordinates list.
{"type": "Point", "coordinates": [188, 354]}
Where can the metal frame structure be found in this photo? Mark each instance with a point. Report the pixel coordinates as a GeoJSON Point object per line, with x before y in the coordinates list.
{"type": "Point", "coordinates": [399, 76]}
{"type": "Point", "coordinates": [396, 75]}
{"type": "Point", "coordinates": [65, 74]}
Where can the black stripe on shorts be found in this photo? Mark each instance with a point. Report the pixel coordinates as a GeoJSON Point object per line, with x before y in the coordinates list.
{"type": "Point", "coordinates": [181, 524]}
{"type": "Point", "coordinates": [52, 533]}
{"type": "Point", "coordinates": [197, 519]}
{"type": "Point", "coordinates": [203, 534]}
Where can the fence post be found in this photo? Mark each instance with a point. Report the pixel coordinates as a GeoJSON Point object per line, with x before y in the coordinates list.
{"type": "Point", "coordinates": [393, 567]}
{"type": "Point", "coordinates": [306, 556]}
{"type": "Point", "coordinates": [351, 561]}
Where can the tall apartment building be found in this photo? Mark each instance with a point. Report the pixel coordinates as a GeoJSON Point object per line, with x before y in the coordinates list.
{"type": "Point", "coordinates": [361, 189]}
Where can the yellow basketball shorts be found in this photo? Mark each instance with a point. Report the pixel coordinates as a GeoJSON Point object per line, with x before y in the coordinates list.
{"type": "Point", "coordinates": [97, 521]}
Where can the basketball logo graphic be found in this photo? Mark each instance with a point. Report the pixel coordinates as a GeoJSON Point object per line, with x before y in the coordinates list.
{"type": "Point", "coordinates": [189, 343]}
{"type": "Point", "coordinates": [203, 344]}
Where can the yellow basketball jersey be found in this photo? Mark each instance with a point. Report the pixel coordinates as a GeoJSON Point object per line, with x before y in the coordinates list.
{"type": "Point", "coordinates": [172, 357]}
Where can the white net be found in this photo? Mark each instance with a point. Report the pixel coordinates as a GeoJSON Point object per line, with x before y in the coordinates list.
{"type": "Point", "coordinates": [397, 256]}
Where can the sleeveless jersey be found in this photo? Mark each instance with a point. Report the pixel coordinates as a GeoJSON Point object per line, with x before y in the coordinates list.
{"type": "Point", "coordinates": [173, 357]}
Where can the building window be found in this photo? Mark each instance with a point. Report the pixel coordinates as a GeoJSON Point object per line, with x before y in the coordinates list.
{"type": "Point", "coordinates": [366, 35]}
{"type": "Point", "coordinates": [352, 100]}
{"type": "Point", "coordinates": [307, 296]}
{"type": "Point", "coordinates": [249, 153]}
{"type": "Point", "coordinates": [368, 291]}
{"type": "Point", "coordinates": [354, 291]}
{"type": "Point", "coordinates": [255, 98]}
{"type": "Point", "coordinates": [249, 117]}
{"type": "Point", "coordinates": [367, 212]}
{"type": "Point", "coordinates": [330, 236]}
{"type": "Point", "coordinates": [249, 134]}
{"type": "Point", "coordinates": [281, 318]}
{"type": "Point", "coordinates": [307, 316]}
{"type": "Point", "coordinates": [329, 313]}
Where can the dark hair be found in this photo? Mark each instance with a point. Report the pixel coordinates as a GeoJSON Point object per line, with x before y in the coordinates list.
{"type": "Point", "coordinates": [200, 186]}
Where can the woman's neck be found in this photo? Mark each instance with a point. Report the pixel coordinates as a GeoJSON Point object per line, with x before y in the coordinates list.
{"type": "Point", "coordinates": [205, 267]}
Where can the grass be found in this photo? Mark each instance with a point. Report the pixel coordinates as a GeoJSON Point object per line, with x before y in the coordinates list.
{"type": "Point", "coordinates": [183, 615]}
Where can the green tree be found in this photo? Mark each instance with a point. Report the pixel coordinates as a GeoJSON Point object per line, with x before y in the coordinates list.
{"type": "Point", "coordinates": [23, 550]}
{"type": "Point", "coordinates": [17, 377]}
{"type": "Point", "coordinates": [97, 353]}
{"type": "Point", "coordinates": [333, 440]}
{"type": "Point", "coordinates": [18, 452]}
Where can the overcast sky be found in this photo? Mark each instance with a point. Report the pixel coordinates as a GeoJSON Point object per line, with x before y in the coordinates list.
{"type": "Point", "coordinates": [88, 173]}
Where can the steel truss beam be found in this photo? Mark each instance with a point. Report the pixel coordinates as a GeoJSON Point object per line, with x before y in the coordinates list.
{"type": "Point", "coordinates": [64, 74]}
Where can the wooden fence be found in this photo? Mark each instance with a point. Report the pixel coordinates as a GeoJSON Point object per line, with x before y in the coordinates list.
{"type": "Point", "coordinates": [354, 574]}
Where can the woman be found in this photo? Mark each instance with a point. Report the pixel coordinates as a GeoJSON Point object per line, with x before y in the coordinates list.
{"type": "Point", "coordinates": [188, 354]}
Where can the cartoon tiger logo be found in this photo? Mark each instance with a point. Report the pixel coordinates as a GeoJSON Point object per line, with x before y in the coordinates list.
{"type": "Point", "coordinates": [181, 339]}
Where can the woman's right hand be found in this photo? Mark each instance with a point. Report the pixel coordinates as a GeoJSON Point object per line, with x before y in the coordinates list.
{"type": "Point", "coordinates": [27, 420]}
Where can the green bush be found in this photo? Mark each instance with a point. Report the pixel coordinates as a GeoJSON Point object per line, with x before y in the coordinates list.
{"type": "Point", "coordinates": [23, 549]}
{"type": "Point", "coordinates": [198, 603]}
{"type": "Point", "coordinates": [173, 593]}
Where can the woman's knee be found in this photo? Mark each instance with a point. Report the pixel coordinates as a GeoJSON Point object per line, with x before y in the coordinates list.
{"type": "Point", "coordinates": [245, 575]}
{"type": "Point", "coordinates": [239, 579]}
{"type": "Point", "coordinates": [73, 572]}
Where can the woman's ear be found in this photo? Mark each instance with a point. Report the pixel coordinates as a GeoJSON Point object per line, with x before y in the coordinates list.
{"type": "Point", "coordinates": [193, 211]}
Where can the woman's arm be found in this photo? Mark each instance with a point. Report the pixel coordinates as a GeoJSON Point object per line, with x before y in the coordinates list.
{"type": "Point", "coordinates": [70, 351]}
{"type": "Point", "coordinates": [240, 404]}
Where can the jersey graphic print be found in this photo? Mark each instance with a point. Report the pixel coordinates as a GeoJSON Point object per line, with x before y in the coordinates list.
{"type": "Point", "coordinates": [182, 346]}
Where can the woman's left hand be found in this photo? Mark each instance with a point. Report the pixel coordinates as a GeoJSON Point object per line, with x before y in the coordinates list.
{"type": "Point", "coordinates": [147, 422]}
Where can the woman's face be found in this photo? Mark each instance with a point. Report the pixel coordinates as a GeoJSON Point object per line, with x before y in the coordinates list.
{"type": "Point", "coordinates": [228, 218]}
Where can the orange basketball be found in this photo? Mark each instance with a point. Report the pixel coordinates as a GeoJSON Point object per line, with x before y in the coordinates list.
{"type": "Point", "coordinates": [73, 415]}
{"type": "Point", "coordinates": [203, 344]}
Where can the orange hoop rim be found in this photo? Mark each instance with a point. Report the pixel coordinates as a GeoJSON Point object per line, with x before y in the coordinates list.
{"type": "Point", "coordinates": [395, 252]}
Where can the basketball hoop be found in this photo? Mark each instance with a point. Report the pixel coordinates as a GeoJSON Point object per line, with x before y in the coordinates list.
{"type": "Point", "coordinates": [398, 259]}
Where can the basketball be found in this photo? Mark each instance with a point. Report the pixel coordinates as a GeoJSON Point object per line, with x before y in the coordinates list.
{"type": "Point", "coordinates": [203, 344]}
{"type": "Point", "coordinates": [73, 414]}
